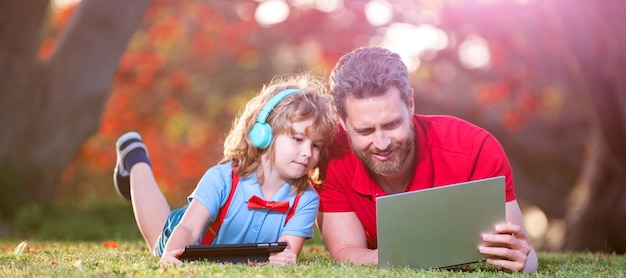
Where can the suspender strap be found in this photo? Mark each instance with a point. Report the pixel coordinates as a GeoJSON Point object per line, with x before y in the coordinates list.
{"type": "Point", "coordinates": [211, 232]}
{"type": "Point", "coordinates": [292, 210]}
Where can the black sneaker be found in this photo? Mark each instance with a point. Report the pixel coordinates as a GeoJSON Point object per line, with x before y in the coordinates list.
{"type": "Point", "coordinates": [121, 176]}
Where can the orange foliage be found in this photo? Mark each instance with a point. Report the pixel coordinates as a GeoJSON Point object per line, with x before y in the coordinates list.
{"type": "Point", "coordinates": [153, 87]}
{"type": "Point", "coordinates": [59, 19]}
{"type": "Point", "coordinates": [164, 29]}
{"type": "Point", "coordinates": [161, 90]}
{"type": "Point", "coordinates": [46, 48]}
{"type": "Point", "coordinates": [171, 107]}
{"type": "Point", "coordinates": [514, 104]}
{"type": "Point", "coordinates": [494, 93]}
{"type": "Point", "coordinates": [179, 80]}
{"type": "Point", "coordinates": [69, 173]}
{"type": "Point", "coordinates": [512, 120]}
{"type": "Point", "coordinates": [527, 101]}
{"type": "Point", "coordinates": [62, 16]}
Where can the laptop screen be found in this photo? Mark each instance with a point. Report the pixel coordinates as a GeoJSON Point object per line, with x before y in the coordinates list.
{"type": "Point", "coordinates": [438, 227]}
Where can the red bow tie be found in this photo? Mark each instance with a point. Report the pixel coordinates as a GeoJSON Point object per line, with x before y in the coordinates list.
{"type": "Point", "coordinates": [256, 202]}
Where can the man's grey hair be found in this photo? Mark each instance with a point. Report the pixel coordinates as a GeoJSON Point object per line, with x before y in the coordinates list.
{"type": "Point", "coordinates": [368, 72]}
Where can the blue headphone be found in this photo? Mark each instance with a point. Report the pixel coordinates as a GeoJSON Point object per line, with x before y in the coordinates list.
{"type": "Point", "coordinates": [261, 132]}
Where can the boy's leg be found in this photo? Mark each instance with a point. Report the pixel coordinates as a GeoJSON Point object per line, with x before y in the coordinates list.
{"type": "Point", "coordinates": [149, 204]}
{"type": "Point", "coordinates": [133, 179]}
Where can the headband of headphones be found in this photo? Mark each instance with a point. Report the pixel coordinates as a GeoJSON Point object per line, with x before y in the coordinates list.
{"type": "Point", "coordinates": [261, 133]}
{"type": "Point", "coordinates": [275, 100]}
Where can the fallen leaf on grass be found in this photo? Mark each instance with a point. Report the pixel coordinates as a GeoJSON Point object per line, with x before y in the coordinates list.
{"type": "Point", "coordinates": [110, 244]}
{"type": "Point", "coordinates": [20, 248]}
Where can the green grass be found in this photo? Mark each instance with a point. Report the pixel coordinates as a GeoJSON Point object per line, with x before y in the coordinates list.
{"type": "Point", "coordinates": [70, 242]}
{"type": "Point", "coordinates": [131, 258]}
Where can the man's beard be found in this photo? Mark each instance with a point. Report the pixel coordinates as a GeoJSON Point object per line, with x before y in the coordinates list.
{"type": "Point", "coordinates": [400, 151]}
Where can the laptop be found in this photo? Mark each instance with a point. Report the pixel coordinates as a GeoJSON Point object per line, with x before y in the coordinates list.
{"type": "Point", "coordinates": [438, 227]}
{"type": "Point", "coordinates": [232, 253]}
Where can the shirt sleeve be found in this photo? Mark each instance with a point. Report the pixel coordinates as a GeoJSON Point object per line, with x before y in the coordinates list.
{"type": "Point", "coordinates": [303, 219]}
{"type": "Point", "coordinates": [332, 192]}
{"type": "Point", "coordinates": [213, 189]}
{"type": "Point", "coordinates": [338, 178]}
{"type": "Point", "coordinates": [492, 161]}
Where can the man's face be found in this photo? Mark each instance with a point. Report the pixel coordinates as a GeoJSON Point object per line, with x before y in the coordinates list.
{"type": "Point", "coordinates": [380, 131]}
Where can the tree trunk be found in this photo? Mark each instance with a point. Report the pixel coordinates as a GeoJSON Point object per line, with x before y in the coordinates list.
{"type": "Point", "coordinates": [49, 108]}
{"type": "Point", "coordinates": [597, 218]}
{"type": "Point", "coordinates": [595, 40]}
{"type": "Point", "coordinates": [578, 47]}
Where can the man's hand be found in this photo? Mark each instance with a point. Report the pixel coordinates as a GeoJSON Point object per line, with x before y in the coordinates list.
{"type": "Point", "coordinates": [508, 247]}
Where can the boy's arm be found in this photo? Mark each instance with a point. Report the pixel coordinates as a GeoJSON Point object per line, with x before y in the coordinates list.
{"type": "Point", "coordinates": [187, 232]}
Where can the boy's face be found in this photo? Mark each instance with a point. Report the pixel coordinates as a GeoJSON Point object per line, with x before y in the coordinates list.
{"type": "Point", "coordinates": [296, 154]}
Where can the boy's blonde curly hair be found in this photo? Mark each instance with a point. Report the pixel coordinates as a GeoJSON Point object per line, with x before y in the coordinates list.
{"type": "Point", "coordinates": [311, 102]}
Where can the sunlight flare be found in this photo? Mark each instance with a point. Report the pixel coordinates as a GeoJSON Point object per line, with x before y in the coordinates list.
{"type": "Point", "coordinates": [536, 222]}
{"type": "Point", "coordinates": [63, 3]}
{"type": "Point", "coordinates": [378, 12]}
{"type": "Point", "coordinates": [271, 12]}
{"type": "Point", "coordinates": [413, 42]}
{"type": "Point", "coordinates": [474, 53]}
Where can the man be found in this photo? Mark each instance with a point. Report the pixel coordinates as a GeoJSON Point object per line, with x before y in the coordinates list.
{"type": "Point", "coordinates": [384, 148]}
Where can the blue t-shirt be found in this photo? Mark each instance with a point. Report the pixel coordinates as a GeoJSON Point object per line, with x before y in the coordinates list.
{"type": "Point", "coordinates": [244, 225]}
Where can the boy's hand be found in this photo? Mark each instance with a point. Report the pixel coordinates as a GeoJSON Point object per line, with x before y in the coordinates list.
{"type": "Point", "coordinates": [172, 257]}
{"type": "Point", "coordinates": [285, 257]}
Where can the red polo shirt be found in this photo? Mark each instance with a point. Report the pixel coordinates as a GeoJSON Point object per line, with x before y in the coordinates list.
{"type": "Point", "coordinates": [449, 150]}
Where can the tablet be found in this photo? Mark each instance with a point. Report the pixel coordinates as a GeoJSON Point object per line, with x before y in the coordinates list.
{"type": "Point", "coordinates": [232, 253]}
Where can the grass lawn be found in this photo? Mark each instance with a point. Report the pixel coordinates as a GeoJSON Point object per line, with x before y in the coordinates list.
{"type": "Point", "coordinates": [100, 239]}
{"type": "Point", "coordinates": [131, 258]}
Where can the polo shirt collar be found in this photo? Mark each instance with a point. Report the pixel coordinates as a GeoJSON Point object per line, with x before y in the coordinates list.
{"type": "Point", "coordinates": [251, 186]}
{"type": "Point", "coordinates": [362, 182]}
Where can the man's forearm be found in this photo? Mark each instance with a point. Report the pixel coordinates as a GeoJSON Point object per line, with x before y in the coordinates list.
{"type": "Point", "coordinates": [356, 255]}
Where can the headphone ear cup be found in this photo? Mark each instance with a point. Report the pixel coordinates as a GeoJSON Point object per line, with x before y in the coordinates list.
{"type": "Point", "coordinates": [261, 135]}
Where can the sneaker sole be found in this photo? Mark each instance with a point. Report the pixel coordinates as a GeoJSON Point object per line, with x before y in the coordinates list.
{"type": "Point", "coordinates": [123, 146]}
